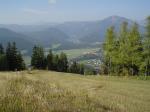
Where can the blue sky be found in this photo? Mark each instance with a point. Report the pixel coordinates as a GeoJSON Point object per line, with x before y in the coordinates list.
{"type": "Point", "coordinates": [43, 11]}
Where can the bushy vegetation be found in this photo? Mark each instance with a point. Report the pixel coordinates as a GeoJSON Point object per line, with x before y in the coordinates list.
{"type": "Point", "coordinates": [127, 53]}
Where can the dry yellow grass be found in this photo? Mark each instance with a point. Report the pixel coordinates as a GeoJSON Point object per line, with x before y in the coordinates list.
{"type": "Point", "coordinates": [43, 91]}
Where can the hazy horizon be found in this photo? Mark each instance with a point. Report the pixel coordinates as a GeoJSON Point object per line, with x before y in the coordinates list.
{"type": "Point", "coordinates": [58, 11]}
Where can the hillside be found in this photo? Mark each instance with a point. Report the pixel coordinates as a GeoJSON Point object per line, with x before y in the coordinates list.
{"type": "Point", "coordinates": [59, 92]}
{"type": "Point", "coordinates": [21, 40]}
{"type": "Point", "coordinates": [94, 31]}
{"type": "Point", "coordinates": [49, 36]}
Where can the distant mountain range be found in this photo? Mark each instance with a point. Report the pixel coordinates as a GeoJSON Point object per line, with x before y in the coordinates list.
{"type": "Point", "coordinates": [70, 33]}
{"type": "Point", "coordinates": [93, 31]}
{"type": "Point", "coordinates": [22, 41]}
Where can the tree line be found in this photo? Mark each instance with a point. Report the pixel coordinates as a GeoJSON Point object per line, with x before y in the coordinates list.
{"type": "Point", "coordinates": [127, 53]}
{"type": "Point", "coordinates": [54, 62]}
{"type": "Point", "coordinates": [11, 58]}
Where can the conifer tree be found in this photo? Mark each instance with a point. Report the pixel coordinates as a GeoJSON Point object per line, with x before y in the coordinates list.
{"type": "Point", "coordinates": [20, 62]}
{"type": "Point", "coordinates": [14, 58]}
{"type": "Point", "coordinates": [38, 60]}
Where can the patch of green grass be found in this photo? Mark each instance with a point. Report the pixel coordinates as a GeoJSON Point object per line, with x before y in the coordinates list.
{"type": "Point", "coordinates": [43, 91]}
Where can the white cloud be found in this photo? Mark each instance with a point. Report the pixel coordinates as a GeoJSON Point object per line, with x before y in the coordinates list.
{"type": "Point", "coordinates": [52, 1]}
{"type": "Point", "coordinates": [34, 11]}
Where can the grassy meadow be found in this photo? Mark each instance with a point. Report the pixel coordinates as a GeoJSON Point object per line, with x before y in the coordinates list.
{"type": "Point", "coordinates": [43, 91]}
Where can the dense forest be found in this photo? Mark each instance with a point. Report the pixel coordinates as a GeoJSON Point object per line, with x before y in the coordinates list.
{"type": "Point", "coordinates": [127, 53]}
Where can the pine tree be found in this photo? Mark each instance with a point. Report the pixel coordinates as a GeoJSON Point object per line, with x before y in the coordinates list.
{"type": "Point", "coordinates": [20, 62]}
{"type": "Point", "coordinates": [14, 58]}
{"type": "Point", "coordinates": [38, 60]}
{"type": "Point", "coordinates": [11, 53]}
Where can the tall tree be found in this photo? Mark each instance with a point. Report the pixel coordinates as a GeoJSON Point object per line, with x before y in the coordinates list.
{"type": "Point", "coordinates": [134, 50]}
{"type": "Point", "coordinates": [109, 47]}
{"type": "Point", "coordinates": [122, 49]}
{"type": "Point", "coordinates": [14, 58]}
{"type": "Point", "coordinates": [146, 52]}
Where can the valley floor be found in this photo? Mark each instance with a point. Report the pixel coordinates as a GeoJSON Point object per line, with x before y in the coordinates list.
{"type": "Point", "coordinates": [43, 91]}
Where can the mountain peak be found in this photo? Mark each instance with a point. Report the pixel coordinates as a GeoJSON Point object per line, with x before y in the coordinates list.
{"type": "Point", "coordinates": [115, 17]}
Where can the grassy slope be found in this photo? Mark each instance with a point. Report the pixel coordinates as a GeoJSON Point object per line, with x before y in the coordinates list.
{"type": "Point", "coordinates": [60, 92]}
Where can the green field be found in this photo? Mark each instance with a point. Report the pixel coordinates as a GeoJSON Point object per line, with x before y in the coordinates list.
{"type": "Point", "coordinates": [43, 91]}
{"type": "Point", "coordinates": [74, 53]}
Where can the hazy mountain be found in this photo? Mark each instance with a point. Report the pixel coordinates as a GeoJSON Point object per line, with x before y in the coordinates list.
{"type": "Point", "coordinates": [93, 31]}
{"type": "Point", "coordinates": [27, 28]}
{"type": "Point", "coordinates": [11, 36]}
{"type": "Point", "coordinates": [49, 36]}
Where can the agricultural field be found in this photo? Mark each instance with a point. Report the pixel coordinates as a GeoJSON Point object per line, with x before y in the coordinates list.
{"type": "Point", "coordinates": [73, 53]}
{"type": "Point", "coordinates": [44, 91]}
